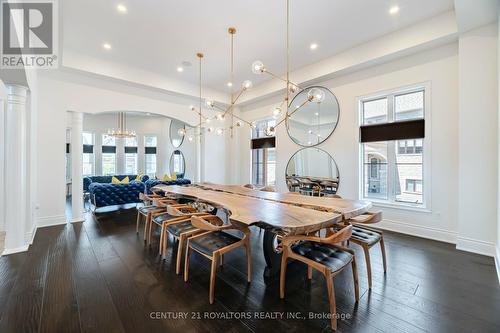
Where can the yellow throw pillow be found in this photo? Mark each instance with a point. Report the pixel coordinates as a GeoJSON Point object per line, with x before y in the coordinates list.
{"type": "Point", "coordinates": [139, 177]}
{"type": "Point", "coordinates": [115, 180]}
{"type": "Point", "coordinates": [174, 176]}
{"type": "Point", "coordinates": [166, 177]}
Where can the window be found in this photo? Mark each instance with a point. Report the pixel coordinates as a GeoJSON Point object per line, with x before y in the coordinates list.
{"type": "Point", "coordinates": [393, 170]}
{"type": "Point", "coordinates": [263, 159]}
{"type": "Point", "coordinates": [131, 156]}
{"type": "Point", "coordinates": [108, 155]}
{"type": "Point", "coordinates": [88, 153]}
{"type": "Point", "coordinates": [150, 155]}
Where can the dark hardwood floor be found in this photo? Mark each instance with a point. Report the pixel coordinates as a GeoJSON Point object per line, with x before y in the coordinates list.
{"type": "Point", "coordinates": [99, 277]}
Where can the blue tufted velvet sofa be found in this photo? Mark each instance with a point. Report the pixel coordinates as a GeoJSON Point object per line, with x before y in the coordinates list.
{"type": "Point", "coordinates": [103, 194]}
{"type": "Point", "coordinates": [107, 179]}
{"type": "Point", "coordinates": [153, 182]}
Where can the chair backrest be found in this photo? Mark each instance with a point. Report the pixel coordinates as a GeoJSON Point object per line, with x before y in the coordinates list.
{"type": "Point", "coordinates": [180, 210]}
{"type": "Point", "coordinates": [367, 218]}
{"type": "Point", "coordinates": [268, 189]}
{"type": "Point", "coordinates": [341, 235]}
{"type": "Point", "coordinates": [210, 223]}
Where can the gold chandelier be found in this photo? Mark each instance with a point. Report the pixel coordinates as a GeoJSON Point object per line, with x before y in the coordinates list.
{"type": "Point", "coordinates": [258, 67]}
{"type": "Point", "coordinates": [121, 130]}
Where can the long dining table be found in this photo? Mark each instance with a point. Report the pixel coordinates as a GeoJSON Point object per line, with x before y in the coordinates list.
{"type": "Point", "coordinates": [279, 214]}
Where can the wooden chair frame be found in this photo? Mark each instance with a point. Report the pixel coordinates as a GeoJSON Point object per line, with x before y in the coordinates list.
{"type": "Point", "coordinates": [332, 240]}
{"type": "Point", "coordinates": [181, 213]}
{"type": "Point", "coordinates": [214, 224]}
{"type": "Point", "coordinates": [359, 222]}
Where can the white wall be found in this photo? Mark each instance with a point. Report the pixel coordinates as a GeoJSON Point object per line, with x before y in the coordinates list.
{"type": "Point", "coordinates": [61, 92]}
{"type": "Point", "coordinates": [439, 68]}
{"type": "Point", "coordinates": [478, 140]}
{"type": "Point", "coordinates": [3, 97]}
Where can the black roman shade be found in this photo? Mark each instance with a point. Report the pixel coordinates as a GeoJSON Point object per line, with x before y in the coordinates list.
{"type": "Point", "coordinates": [266, 142]}
{"type": "Point", "coordinates": [130, 150]}
{"type": "Point", "coordinates": [109, 149]}
{"type": "Point", "coordinates": [88, 149]}
{"type": "Point", "coordinates": [68, 146]}
{"type": "Point", "coordinates": [400, 130]}
{"type": "Point", "coordinates": [150, 150]}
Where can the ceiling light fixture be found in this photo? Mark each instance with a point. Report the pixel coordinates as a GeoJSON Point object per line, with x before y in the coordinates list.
{"type": "Point", "coordinates": [106, 46]}
{"type": "Point", "coordinates": [121, 130]}
{"type": "Point", "coordinates": [394, 10]}
{"type": "Point", "coordinates": [314, 95]}
{"type": "Point", "coordinates": [180, 69]}
{"type": "Point", "coordinates": [121, 8]}
{"type": "Point", "coordinates": [229, 84]}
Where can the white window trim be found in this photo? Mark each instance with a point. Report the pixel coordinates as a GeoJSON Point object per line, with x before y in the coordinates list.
{"type": "Point", "coordinates": [93, 154]}
{"type": "Point", "coordinates": [426, 206]}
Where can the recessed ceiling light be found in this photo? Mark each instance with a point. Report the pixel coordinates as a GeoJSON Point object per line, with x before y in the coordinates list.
{"type": "Point", "coordinates": [121, 8]}
{"type": "Point", "coordinates": [148, 114]}
{"type": "Point", "coordinates": [180, 69]}
{"type": "Point", "coordinates": [229, 84]}
{"type": "Point", "coordinates": [313, 46]}
{"type": "Point", "coordinates": [394, 10]}
{"type": "Point", "coordinates": [106, 46]}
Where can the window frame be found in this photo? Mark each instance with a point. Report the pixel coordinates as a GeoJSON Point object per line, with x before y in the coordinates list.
{"type": "Point", "coordinates": [102, 156]}
{"type": "Point", "coordinates": [93, 159]}
{"type": "Point", "coordinates": [264, 154]}
{"type": "Point", "coordinates": [155, 174]}
{"type": "Point", "coordinates": [392, 149]}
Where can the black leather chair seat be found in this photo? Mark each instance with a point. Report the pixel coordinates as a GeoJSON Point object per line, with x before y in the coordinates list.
{"type": "Point", "coordinates": [325, 254]}
{"type": "Point", "coordinates": [211, 242]}
{"type": "Point", "coordinates": [159, 219]}
{"type": "Point", "coordinates": [149, 209]}
{"type": "Point", "coordinates": [364, 235]}
{"type": "Point", "coordinates": [177, 229]}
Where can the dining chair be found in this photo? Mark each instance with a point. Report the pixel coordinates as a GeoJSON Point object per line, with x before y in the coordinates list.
{"type": "Point", "coordinates": [323, 254]}
{"type": "Point", "coordinates": [214, 243]}
{"type": "Point", "coordinates": [367, 237]}
{"type": "Point", "coordinates": [329, 187]}
{"type": "Point", "coordinates": [148, 210]}
{"type": "Point", "coordinates": [177, 222]}
{"type": "Point", "coordinates": [308, 187]}
{"type": "Point", "coordinates": [268, 189]}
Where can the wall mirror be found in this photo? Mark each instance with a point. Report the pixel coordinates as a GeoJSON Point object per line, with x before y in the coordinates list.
{"type": "Point", "coordinates": [177, 164]}
{"type": "Point", "coordinates": [312, 116]}
{"type": "Point", "coordinates": [177, 133]}
{"type": "Point", "coordinates": [312, 171]}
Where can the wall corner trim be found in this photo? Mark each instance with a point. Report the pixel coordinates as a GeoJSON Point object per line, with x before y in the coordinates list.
{"type": "Point", "coordinates": [497, 262]}
{"type": "Point", "coordinates": [476, 246]}
{"type": "Point", "coordinates": [48, 221]}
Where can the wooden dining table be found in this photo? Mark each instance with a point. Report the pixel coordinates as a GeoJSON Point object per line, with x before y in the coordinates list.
{"type": "Point", "coordinates": [279, 214]}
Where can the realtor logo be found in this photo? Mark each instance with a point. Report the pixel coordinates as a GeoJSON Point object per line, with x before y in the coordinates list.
{"type": "Point", "coordinates": [29, 34]}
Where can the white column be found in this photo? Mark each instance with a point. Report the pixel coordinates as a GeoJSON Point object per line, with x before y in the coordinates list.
{"type": "Point", "coordinates": [15, 169]}
{"type": "Point", "coordinates": [76, 167]}
{"type": "Point", "coordinates": [199, 175]}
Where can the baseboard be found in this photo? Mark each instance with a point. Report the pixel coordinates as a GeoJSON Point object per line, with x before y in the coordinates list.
{"type": "Point", "coordinates": [30, 236]}
{"type": "Point", "coordinates": [476, 246]}
{"type": "Point", "coordinates": [497, 262]}
{"type": "Point", "coordinates": [48, 221]}
{"type": "Point", "coordinates": [15, 250]}
{"type": "Point", "coordinates": [419, 231]}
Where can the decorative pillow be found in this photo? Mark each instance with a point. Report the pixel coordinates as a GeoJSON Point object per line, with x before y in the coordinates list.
{"type": "Point", "coordinates": [174, 176]}
{"type": "Point", "coordinates": [166, 177]}
{"type": "Point", "coordinates": [115, 180]}
{"type": "Point", "coordinates": [139, 177]}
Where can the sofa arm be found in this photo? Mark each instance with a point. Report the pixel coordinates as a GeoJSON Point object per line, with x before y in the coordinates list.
{"type": "Point", "coordinates": [86, 183]}
{"type": "Point", "coordinates": [144, 178]}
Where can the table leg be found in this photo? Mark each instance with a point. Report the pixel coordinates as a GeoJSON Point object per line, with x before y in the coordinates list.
{"type": "Point", "coordinates": [271, 254]}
